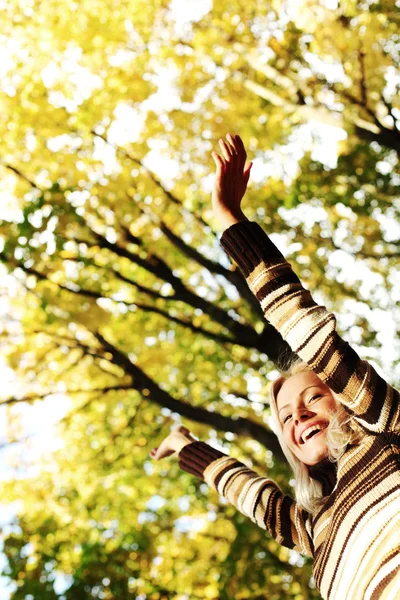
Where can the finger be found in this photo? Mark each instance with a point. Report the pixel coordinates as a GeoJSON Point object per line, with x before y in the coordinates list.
{"type": "Point", "coordinates": [225, 150]}
{"type": "Point", "coordinates": [153, 453]}
{"type": "Point", "coordinates": [231, 144]}
{"type": "Point", "coordinates": [240, 152]}
{"type": "Point", "coordinates": [240, 147]}
{"type": "Point", "coordinates": [182, 429]}
{"type": "Point", "coordinates": [247, 168]}
{"type": "Point", "coordinates": [239, 143]}
{"type": "Point", "coordinates": [219, 162]}
{"type": "Point", "coordinates": [246, 172]}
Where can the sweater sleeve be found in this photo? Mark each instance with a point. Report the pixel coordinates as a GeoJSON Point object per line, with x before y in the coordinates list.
{"type": "Point", "coordinates": [258, 498]}
{"type": "Point", "coordinates": [310, 330]}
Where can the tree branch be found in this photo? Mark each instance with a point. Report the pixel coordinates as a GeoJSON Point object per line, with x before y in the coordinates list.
{"type": "Point", "coordinates": [209, 334]}
{"type": "Point", "coordinates": [269, 341]}
{"type": "Point", "coordinates": [22, 176]}
{"type": "Point", "coordinates": [384, 137]}
{"type": "Point", "coordinates": [152, 391]}
{"type": "Point", "coordinates": [141, 288]}
{"type": "Point", "coordinates": [170, 196]}
{"type": "Point", "coordinates": [233, 277]}
{"type": "Point", "coordinates": [34, 397]}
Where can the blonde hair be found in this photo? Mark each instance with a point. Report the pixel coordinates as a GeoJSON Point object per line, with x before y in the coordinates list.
{"type": "Point", "coordinates": [341, 431]}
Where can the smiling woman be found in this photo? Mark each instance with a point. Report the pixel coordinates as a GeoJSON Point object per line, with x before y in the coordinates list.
{"type": "Point", "coordinates": [337, 420]}
{"type": "Point", "coordinates": [304, 415]}
{"type": "Point", "coordinates": [313, 429]}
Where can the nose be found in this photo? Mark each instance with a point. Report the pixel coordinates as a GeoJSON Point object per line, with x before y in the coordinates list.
{"type": "Point", "coordinates": [301, 414]}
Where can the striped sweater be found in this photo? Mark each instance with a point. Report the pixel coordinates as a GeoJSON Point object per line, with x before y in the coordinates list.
{"type": "Point", "coordinates": [355, 538]}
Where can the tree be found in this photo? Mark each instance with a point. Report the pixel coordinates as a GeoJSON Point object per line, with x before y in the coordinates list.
{"type": "Point", "coordinates": [127, 303]}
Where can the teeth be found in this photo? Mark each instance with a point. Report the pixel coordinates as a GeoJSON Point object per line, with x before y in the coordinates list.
{"type": "Point", "coordinates": [306, 433]}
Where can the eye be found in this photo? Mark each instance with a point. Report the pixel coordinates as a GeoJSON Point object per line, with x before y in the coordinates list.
{"type": "Point", "coordinates": [314, 397]}
{"type": "Point", "coordinates": [286, 418]}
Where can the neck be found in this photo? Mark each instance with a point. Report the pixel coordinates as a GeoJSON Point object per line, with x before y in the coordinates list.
{"type": "Point", "coordinates": [326, 473]}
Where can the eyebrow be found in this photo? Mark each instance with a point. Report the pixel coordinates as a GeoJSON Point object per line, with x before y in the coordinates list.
{"type": "Point", "coordinates": [301, 393]}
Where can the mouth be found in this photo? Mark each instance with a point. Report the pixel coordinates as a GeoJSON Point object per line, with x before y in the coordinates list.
{"type": "Point", "coordinates": [312, 432]}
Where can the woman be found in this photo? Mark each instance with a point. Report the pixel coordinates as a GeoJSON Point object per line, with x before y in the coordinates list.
{"type": "Point", "coordinates": [337, 420]}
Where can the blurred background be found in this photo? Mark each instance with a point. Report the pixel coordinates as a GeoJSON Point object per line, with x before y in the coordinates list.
{"type": "Point", "coordinates": [121, 316]}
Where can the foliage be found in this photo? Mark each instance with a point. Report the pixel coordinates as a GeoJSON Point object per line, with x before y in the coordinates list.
{"type": "Point", "coordinates": [125, 302]}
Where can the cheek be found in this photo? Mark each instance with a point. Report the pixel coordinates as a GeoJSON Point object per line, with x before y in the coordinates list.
{"type": "Point", "coordinates": [288, 436]}
{"type": "Point", "coordinates": [329, 405]}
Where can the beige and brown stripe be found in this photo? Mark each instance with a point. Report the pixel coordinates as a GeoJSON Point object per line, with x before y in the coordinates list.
{"type": "Point", "coordinates": [355, 538]}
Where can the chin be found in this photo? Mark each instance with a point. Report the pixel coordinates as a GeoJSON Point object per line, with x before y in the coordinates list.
{"type": "Point", "coordinates": [313, 455]}
{"type": "Point", "coordinates": [316, 458]}
{"type": "Point", "coordinates": [312, 462]}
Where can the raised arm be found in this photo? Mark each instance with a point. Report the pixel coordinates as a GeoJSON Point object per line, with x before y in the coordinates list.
{"type": "Point", "coordinates": [309, 329]}
{"type": "Point", "coordinates": [258, 498]}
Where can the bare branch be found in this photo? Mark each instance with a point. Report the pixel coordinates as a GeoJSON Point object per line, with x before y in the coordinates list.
{"type": "Point", "coordinates": [152, 391]}
{"type": "Point", "coordinates": [234, 276]}
{"type": "Point", "coordinates": [141, 288]}
{"type": "Point", "coordinates": [386, 137]}
{"type": "Point", "coordinates": [34, 397]}
{"type": "Point", "coordinates": [363, 81]}
{"type": "Point", "coordinates": [214, 336]}
{"type": "Point", "coordinates": [154, 179]}
{"type": "Point", "coordinates": [245, 335]}
{"type": "Point", "coordinates": [22, 176]}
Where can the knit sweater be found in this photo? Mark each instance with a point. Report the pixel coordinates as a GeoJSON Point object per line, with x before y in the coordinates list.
{"type": "Point", "coordinates": [355, 538]}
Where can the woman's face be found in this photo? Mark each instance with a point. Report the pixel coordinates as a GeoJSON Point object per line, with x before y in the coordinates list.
{"type": "Point", "coordinates": [303, 402]}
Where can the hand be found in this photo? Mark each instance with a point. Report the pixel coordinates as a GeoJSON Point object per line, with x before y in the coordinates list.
{"type": "Point", "coordinates": [231, 180]}
{"type": "Point", "coordinates": [174, 442]}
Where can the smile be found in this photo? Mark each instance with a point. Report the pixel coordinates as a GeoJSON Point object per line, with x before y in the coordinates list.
{"type": "Point", "coordinates": [312, 432]}
{"type": "Point", "coordinates": [316, 434]}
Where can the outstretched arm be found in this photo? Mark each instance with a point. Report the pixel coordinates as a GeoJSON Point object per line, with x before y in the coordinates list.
{"type": "Point", "coordinates": [258, 498]}
{"type": "Point", "coordinates": [309, 329]}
